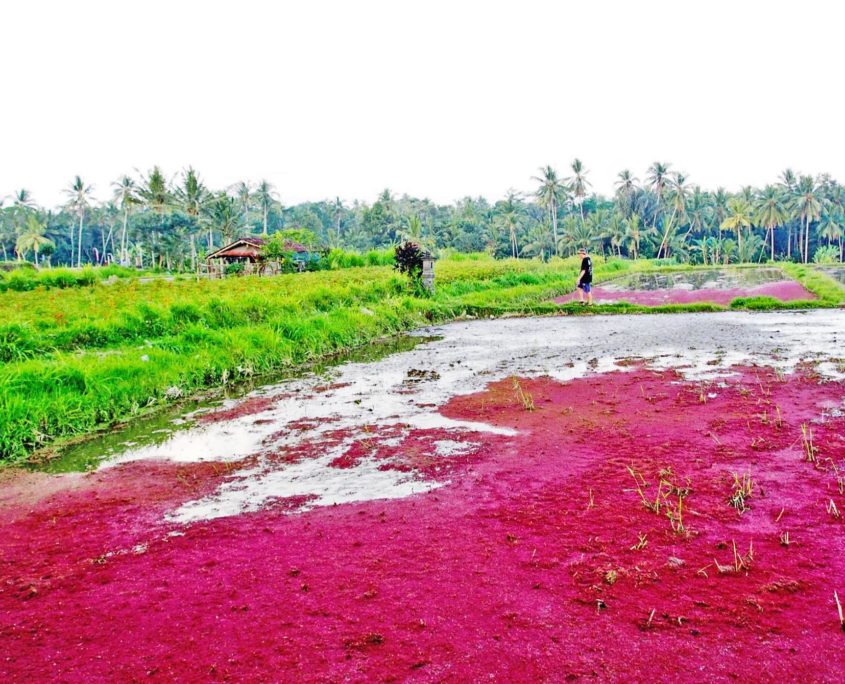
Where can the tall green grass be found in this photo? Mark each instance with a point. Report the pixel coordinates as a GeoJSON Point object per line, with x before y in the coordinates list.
{"type": "Point", "coordinates": [78, 359]}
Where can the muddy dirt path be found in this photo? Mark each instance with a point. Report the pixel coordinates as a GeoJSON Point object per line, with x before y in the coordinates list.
{"type": "Point", "coordinates": [467, 509]}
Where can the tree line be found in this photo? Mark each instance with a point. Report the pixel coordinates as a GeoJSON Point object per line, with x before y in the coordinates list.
{"type": "Point", "coordinates": [152, 221]}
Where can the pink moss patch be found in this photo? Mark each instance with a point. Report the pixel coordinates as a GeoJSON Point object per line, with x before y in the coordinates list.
{"type": "Point", "coordinates": [505, 573]}
{"type": "Point", "coordinates": [784, 290]}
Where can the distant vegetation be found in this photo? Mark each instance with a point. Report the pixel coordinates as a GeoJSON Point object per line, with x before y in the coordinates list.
{"type": "Point", "coordinates": [157, 222]}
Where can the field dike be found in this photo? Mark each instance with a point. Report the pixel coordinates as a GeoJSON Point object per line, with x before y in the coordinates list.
{"type": "Point", "coordinates": [537, 499]}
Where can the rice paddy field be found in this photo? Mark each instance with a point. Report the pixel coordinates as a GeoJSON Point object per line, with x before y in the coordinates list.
{"type": "Point", "coordinates": [331, 477]}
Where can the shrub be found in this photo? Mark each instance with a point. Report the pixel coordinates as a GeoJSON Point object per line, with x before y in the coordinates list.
{"type": "Point", "coordinates": [235, 268]}
{"type": "Point", "coordinates": [409, 260]}
{"type": "Point", "coordinates": [826, 255]}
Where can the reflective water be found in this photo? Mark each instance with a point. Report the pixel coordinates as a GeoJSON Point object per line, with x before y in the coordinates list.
{"type": "Point", "coordinates": [162, 427]}
{"type": "Point", "coordinates": [835, 272]}
{"type": "Point", "coordinates": [705, 279]}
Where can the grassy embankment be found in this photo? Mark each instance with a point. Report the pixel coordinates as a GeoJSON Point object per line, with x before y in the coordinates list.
{"type": "Point", "coordinates": [79, 359]}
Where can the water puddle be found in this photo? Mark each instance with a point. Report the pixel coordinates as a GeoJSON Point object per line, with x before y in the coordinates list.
{"type": "Point", "coordinates": [162, 429]}
{"type": "Point", "coordinates": [715, 286]}
{"type": "Point", "coordinates": [709, 279]}
{"type": "Point", "coordinates": [837, 272]}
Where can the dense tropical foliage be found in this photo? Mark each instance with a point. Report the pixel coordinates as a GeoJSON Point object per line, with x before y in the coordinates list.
{"type": "Point", "coordinates": [156, 222]}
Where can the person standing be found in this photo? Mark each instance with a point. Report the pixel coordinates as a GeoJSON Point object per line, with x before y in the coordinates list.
{"type": "Point", "coordinates": [585, 278]}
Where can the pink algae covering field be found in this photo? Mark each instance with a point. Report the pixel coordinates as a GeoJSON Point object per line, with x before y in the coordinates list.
{"type": "Point", "coordinates": [536, 559]}
{"type": "Point", "coordinates": [784, 290]}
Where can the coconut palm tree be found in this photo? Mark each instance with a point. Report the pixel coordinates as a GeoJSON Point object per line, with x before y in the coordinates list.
{"type": "Point", "coordinates": [698, 211]}
{"type": "Point", "coordinates": [222, 213]}
{"type": "Point", "coordinates": [657, 179]}
{"type": "Point", "coordinates": [578, 184]}
{"type": "Point", "coordinates": [614, 230]}
{"type": "Point", "coordinates": [156, 195]}
{"type": "Point", "coordinates": [770, 212]}
{"type": "Point", "coordinates": [190, 196]}
{"type": "Point", "coordinates": [265, 193]}
{"type": "Point", "coordinates": [508, 218]}
{"type": "Point", "coordinates": [22, 204]}
{"type": "Point", "coordinates": [626, 188]}
{"type": "Point", "coordinates": [538, 242]}
{"type": "Point", "coordinates": [576, 234]}
{"type": "Point", "coordinates": [739, 217]}
{"type": "Point", "coordinates": [125, 195]}
{"type": "Point", "coordinates": [551, 194]}
{"type": "Point", "coordinates": [788, 183]}
{"type": "Point", "coordinates": [788, 180]}
{"type": "Point", "coordinates": [719, 211]}
{"type": "Point", "coordinates": [807, 207]}
{"type": "Point", "coordinates": [633, 234]}
{"type": "Point", "coordinates": [832, 229]}
{"type": "Point", "coordinates": [677, 198]}
{"type": "Point", "coordinates": [413, 231]}
{"type": "Point", "coordinates": [32, 238]}
{"type": "Point", "coordinates": [243, 192]}
{"type": "Point", "coordinates": [79, 199]}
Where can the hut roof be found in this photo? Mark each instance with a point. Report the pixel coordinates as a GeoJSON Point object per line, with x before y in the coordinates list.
{"type": "Point", "coordinates": [251, 247]}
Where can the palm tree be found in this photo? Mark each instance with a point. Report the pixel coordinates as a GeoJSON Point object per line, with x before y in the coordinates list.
{"type": "Point", "coordinates": [191, 195]}
{"type": "Point", "coordinates": [578, 184]}
{"type": "Point", "coordinates": [788, 180]}
{"type": "Point", "coordinates": [338, 214]}
{"type": "Point", "coordinates": [615, 231]}
{"type": "Point", "coordinates": [32, 239]}
{"type": "Point", "coordinates": [626, 187]}
{"type": "Point", "coordinates": [720, 213]}
{"type": "Point", "coordinates": [265, 193]}
{"type": "Point", "coordinates": [807, 207]}
{"type": "Point", "coordinates": [633, 234]}
{"type": "Point", "coordinates": [770, 212]}
{"type": "Point", "coordinates": [657, 178]}
{"type": "Point", "coordinates": [156, 195]}
{"type": "Point", "coordinates": [788, 183]}
{"type": "Point", "coordinates": [739, 217]}
{"type": "Point", "coordinates": [831, 229]}
{"type": "Point", "coordinates": [243, 192]}
{"type": "Point", "coordinates": [678, 192]}
{"type": "Point", "coordinates": [125, 194]}
{"type": "Point", "coordinates": [550, 194]}
{"type": "Point", "coordinates": [413, 229]}
{"type": "Point", "coordinates": [698, 211]}
{"type": "Point", "coordinates": [221, 213]}
{"type": "Point", "coordinates": [79, 199]}
{"type": "Point", "coordinates": [508, 218]}
{"type": "Point", "coordinates": [538, 242]}
{"type": "Point", "coordinates": [22, 204]}
{"type": "Point", "coordinates": [576, 234]}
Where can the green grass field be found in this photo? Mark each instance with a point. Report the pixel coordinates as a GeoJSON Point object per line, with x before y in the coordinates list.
{"type": "Point", "coordinates": [79, 359]}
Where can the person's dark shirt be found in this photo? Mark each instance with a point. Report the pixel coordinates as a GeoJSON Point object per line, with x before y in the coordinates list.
{"type": "Point", "coordinates": [587, 268]}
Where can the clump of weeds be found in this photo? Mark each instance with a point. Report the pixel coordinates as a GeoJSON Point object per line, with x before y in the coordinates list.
{"type": "Point", "coordinates": [524, 397]}
{"type": "Point", "coordinates": [741, 562]}
{"type": "Point", "coordinates": [669, 498]}
{"type": "Point", "coordinates": [743, 488]}
{"type": "Point", "coordinates": [810, 450]}
{"type": "Point", "coordinates": [642, 542]}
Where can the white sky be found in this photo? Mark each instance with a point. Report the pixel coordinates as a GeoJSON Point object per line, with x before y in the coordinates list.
{"type": "Point", "coordinates": [437, 99]}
